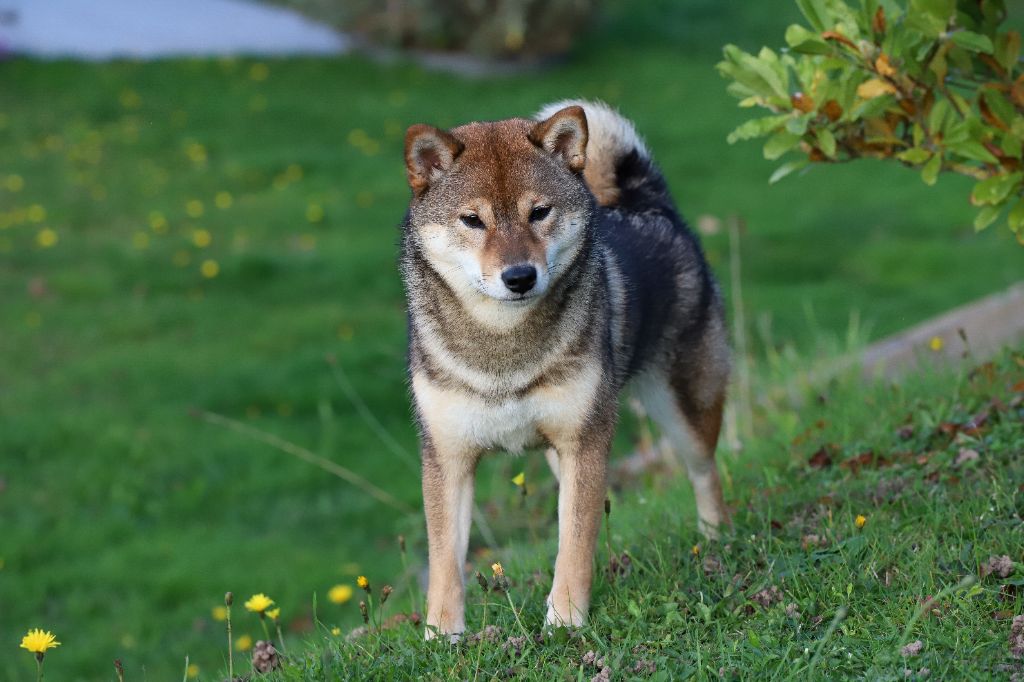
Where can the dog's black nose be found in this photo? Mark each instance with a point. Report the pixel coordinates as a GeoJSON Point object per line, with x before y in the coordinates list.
{"type": "Point", "coordinates": [519, 278]}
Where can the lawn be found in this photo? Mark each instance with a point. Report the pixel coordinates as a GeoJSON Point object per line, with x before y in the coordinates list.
{"type": "Point", "coordinates": [203, 234]}
{"type": "Point", "coordinates": [879, 539]}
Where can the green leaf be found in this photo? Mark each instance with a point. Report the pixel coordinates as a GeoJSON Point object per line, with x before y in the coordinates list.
{"type": "Point", "coordinates": [806, 42]}
{"type": "Point", "coordinates": [975, 42]}
{"type": "Point", "coordinates": [754, 640]}
{"type": "Point", "coordinates": [633, 609]}
{"type": "Point", "coordinates": [1008, 50]}
{"type": "Point", "coordinates": [816, 12]}
{"type": "Point", "coordinates": [999, 105]}
{"type": "Point", "coordinates": [827, 142]}
{"type": "Point", "coordinates": [930, 172]}
{"type": "Point", "coordinates": [780, 143]}
{"type": "Point", "coordinates": [798, 124]}
{"type": "Point", "coordinates": [1016, 216]}
{"type": "Point", "coordinates": [973, 150]}
{"type": "Point", "coordinates": [787, 168]}
{"type": "Point", "coordinates": [1011, 145]}
{"type": "Point", "coordinates": [915, 156]}
{"type": "Point", "coordinates": [995, 189]}
{"type": "Point", "coordinates": [986, 217]}
{"type": "Point", "coordinates": [757, 127]}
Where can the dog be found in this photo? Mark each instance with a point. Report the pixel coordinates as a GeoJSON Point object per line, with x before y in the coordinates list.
{"type": "Point", "coordinates": [545, 268]}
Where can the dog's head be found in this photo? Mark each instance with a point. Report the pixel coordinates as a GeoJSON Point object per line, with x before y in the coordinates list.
{"type": "Point", "coordinates": [499, 209]}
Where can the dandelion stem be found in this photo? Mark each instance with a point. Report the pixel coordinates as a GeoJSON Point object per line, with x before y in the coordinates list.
{"type": "Point", "coordinates": [280, 637]}
{"type": "Point", "coordinates": [405, 572]}
{"type": "Point", "coordinates": [516, 614]}
{"type": "Point", "coordinates": [231, 660]}
{"type": "Point", "coordinates": [263, 622]}
{"type": "Point", "coordinates": [184, 678]}
{"type": "Point", "coordinates": [39, 668]}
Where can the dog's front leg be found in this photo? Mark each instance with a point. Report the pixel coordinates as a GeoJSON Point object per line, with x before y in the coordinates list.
{"type": "Point", "coordinates": [448, 503]}
{"type": "Point", "coordinates": [582, 467]}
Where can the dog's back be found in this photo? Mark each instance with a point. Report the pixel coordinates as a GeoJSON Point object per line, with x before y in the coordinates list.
{"type": "Point", "coordinates": [671, 298]}
{"type": "Point", "coordinates": [545, 266]}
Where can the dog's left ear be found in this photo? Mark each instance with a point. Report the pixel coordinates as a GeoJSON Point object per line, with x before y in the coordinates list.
{"type": "Point", "coordinates": [564, 135]}
{"type": "Point", "coordinates": [429, 153]}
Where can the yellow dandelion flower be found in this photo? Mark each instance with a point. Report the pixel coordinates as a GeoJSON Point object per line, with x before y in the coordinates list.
{"type": "Point", "coordinates": [157, 222]}
{"type": "Point", "coordinates": [274, 614]}
{"type": "Point", "coordinates": [140, 240]}
{"type": "Point", "coordinates": [38, 641]}
{"type": "Point", "coordinates": [196, 152]}
{"type": "Point", "coordinates": [201, 238]}
{"type": "Point", "coordinates": [259, 71]}
{"type": "Point", "coordinates": [357, 137]}
{"type": "Point", "coordinates": [363, 583]}
{"type": "Point", "coordinates": [520, 479]}
{"type": "Point", "coordinates": [497, 569]}
{"type": "Point", "coordinates": [223, 200]}
{"type": "Point", "coordinates": [210, 268]}
{"type": "Point", "coordinates": [14, 183]}
{"type": "Point", "coordinates": [193, 671]}
{"type": "Point", "coordinates": [936, 343]}
{"type": "Point", "coordinates": [258, 603]}
{"type": "Point", "coordinates": [36, 213]}
{"type": "Point", "coordinates": [339, 594]}
{"type": "Point", "coordinates": [130, 99]}
{"type": "Point", "coordinates": [46, 238]}
{"type": "Point", "coordinates": [219, 613]}
{"type": "Point", "coordinates": [860, 520]}
{"type": "Point", "coordinates": [194, 208]}
{"type": "Point", "coordinates": [695, 550]}
{"type": "Point", "coordinates": [314, 213]}
{"type": "Point", "coordinates": [336, 631]}
{"type": "Point", "coordinates": [243, 643]}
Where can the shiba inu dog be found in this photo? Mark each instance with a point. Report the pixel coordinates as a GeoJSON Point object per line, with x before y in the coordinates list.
{"type": "Point", "coordinates": [545, 268]}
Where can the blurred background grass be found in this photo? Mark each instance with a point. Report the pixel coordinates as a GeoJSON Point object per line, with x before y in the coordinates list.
{"type": "Point", "coordinates": [202, 233]}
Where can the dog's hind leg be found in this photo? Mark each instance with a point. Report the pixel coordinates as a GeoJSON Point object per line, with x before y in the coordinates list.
{"type": "Point", "coordinates": [687, 402]}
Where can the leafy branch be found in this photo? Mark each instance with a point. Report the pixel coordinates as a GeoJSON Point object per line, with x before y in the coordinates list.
{"type": "Point", "coordinates": [933, 84]}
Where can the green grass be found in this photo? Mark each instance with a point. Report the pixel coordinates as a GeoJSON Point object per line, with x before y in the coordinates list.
{"type": "Point", "coordinates": [125, 518]}
{"type": "Point", "coordinates": [761, 602]}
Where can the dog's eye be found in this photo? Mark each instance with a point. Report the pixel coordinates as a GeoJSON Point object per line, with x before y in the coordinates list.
{"type": "Point", "coordinates": [472, 220]}
{"type": "Point", "coordinates": [539, 213]}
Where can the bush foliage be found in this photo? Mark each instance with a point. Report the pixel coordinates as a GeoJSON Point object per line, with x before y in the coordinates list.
{"type": "Point", "coordinates": [932, 84]}
{"type": "Point", "coordinates": [488, 28]}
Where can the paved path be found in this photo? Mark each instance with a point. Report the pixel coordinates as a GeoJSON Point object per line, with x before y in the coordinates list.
{"type": "Point", "coordinates": [108, 29]}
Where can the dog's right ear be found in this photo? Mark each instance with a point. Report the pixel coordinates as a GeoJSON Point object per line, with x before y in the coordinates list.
{"type": "Point", "coordinates": [429, 153]}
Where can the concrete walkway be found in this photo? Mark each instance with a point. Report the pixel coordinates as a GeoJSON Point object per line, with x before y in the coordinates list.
{"type": "Point", "coordinates": [146, 29]}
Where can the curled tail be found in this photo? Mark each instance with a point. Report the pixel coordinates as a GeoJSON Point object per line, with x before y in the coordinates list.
{"type": "Point", "coordinates": [619, 169]}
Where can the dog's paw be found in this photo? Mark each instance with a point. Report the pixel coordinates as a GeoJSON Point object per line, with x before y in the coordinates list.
{"type": "Point", "coordinates": [565, 615]}
{"type": "Point", "coordinates": [430, 633]}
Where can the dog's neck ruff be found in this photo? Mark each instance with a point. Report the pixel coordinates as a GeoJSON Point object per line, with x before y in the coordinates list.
{"type": "Point", "coordinates": [453, 345]}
